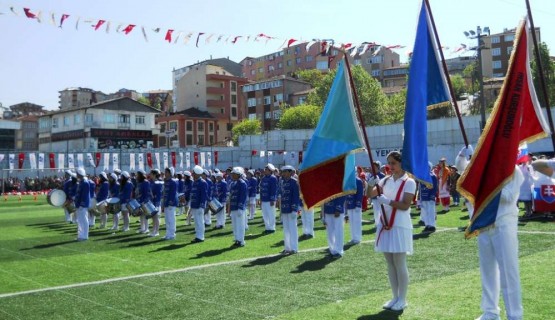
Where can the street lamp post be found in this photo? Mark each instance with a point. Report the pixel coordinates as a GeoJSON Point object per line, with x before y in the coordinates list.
{"type": "Point", "coordinates": [478, 35]}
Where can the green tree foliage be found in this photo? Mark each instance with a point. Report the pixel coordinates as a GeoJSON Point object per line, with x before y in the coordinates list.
{"type": "Point", "coordinates": [548, 72]}
{"type": "Point", "coordinates": [245, 127]}
{"type": "Point", "coordinates": [396, 107]}
{"type": "Point", "coordinates": [300, 117]}
{"type": "Point", "coordinates": [144, 100]}
{"type": "Point", "coordinates": [312, 76]}
{"type": "Point", "coordinates": [371, 98]}
{"type": "Point", "coordinates": [459, 86]}
{"type": "Point", "coordinates": [471, 74]}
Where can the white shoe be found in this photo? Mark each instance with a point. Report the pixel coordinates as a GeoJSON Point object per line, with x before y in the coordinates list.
{"type": "Point", "coordinates": [489, 316]}
{"type": "Point", "coordinates": [145, 231]}
{"type": "Point", "coordinates": [399, 305]}
{"type": "Point", "coordinates": [125, 229]}
{"type": "Point", "coordinates": [140, 231]}
{"type": "Point", "coordinates": [389, 304]}
{"type": "Point", "coordinates": [154, 234]}
{"type": "Point", "coordinates": [114, 228]}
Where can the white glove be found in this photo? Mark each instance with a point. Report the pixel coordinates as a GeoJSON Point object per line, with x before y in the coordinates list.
{"type": "Point", "coordinates": [373, 181]}
{"type": "Point", "coordinates": [383, 200]}
{"type": "Point", "coordinates": [466, 152]}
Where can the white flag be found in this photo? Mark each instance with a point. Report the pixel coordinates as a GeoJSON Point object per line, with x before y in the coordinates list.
{"type": "Point", "coordinates": [270, 156]}
{"type": "Point", "coordinates": [80, 161]}
{"type": "Point", "coordinates": [90, 159]}
{"type": "Point", "coordinates": [115, 161]}
{"type": "Point", "coordinates": [41, 161]}
{"type": "Point", "coordinates": [157, 157]}
{"type": "Point", "coordinates": [209, 159]}
{"type": "Point", "coordinates": [106, 162]}
{"type": "Point", "coordinates": [202, 159]}
{"type": "Point", "coordinates": [141, 162]}
{"type": "Point", "coordinates": [131, 161]}
{"type": "Point", "coordinates": [165, 158]}
{"type": "Point", "coordinates": [1, 157]}
{"type": "Point", "coordinates": [33, 160]}
{"type": "Point", "coordinates": [61, 161]}
{"type": "Point", "coordinates": [188, 160]}
{"type": "Point", "coordinates": [181, 160]}
{"type": "Point", "coordinates": [70, 164]}
{"type": "Point", "coordinates": [12, 161]}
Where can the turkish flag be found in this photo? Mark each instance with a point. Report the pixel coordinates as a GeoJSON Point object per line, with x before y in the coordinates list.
{"type": "Point", "coordinates": [21, 159]}
{"type": "Point", "coordinates": [169, 35]}
{"type": "Point", "coordinates": [149, 159]}
{"type": "Point", "coordinates": [215, 158]}
{"type": "Point", "coordinates": [173, 158]}
{"type": "Point", "coordinates": [51, 160]}
{"type": "Point", "coordinates": [97, 159]}
{"type": "Point", "coordinates": [253, 152]}
{"type": "Point", "coordinates": [195, 156]}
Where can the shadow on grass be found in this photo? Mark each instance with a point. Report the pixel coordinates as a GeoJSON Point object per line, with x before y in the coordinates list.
{"type": "Point", "coordinates": [465, 217]}
{"type": "Point", "coordinates": [215, 252]}
{"type": "Point", "coordinates": [46, 224]}
{"type": "Point", "coordinates": [221, 234]}
{"type": "Point", "coordinates": [278, 244]}
{"type": "Point", "coordinates": [117, 236]}
{"type": "Point", "coordinates": [173, 246]}
{"type": "Point", "coordinates": [48, 245]}
{"type": "Point", "coordinates": [264, 261]}
{"type": "Point", "coordinates": [255, 236]}
{"type": "Point", "coordinates": [314, 265]}
{"type": "Point", "coordinates": [369, 231]}
{"type": "Point", "coordinates": [145, 243]}
{"type": "Point", "coordinates": [382, 315]}
{"type": "Point", "coordinates": [422, 235]}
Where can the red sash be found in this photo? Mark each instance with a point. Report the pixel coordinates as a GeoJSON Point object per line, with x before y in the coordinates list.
{"type": "Point", "coordinates": [387, 225]}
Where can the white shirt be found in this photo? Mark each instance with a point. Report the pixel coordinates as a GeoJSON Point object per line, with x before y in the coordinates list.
{"type": "Point", "coordinates": [390, 188]}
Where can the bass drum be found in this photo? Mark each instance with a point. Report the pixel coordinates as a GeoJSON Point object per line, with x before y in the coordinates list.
{"type": "Point", "coordinates": [134, 208]}
{"type": "Point", "coordinates": [114, 205]}
{"type": "Point", "coordinates": [101, 207]}
{"type": "Point", "coordinates": [56, 197]}
{"type": "Point", "coordinates": [149, 209]}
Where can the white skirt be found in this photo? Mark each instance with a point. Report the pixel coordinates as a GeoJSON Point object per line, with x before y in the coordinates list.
{"type": "Point", "coordinates": [396, 240]}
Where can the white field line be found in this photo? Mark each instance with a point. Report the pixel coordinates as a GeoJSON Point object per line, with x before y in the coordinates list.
{"type": "Point", "coordinates": [537, 232]}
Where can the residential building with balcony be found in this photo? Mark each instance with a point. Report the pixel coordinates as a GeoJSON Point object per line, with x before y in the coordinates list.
{"type": "Point", "coordinates": [190, 127]}
{"type": "Point", "coordinates": [113, 124]}
{"type": "Point", "coordinates": [395, 79]}
{"type": "Point", "coordinates": [80, 97]}
{"type": "Point", "coordinates": [160, 99]}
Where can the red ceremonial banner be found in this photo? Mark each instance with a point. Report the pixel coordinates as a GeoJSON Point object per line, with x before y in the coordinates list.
{"type": "Point", "coordinates": [215, 158]}
{"type": "Point", "coordinates": [195, 156]}
{"type": "Point", "coordinates": [21, 159]}
{"type": "Point", "coordinates": [173, 158]}
{"type": "Point", "coordinates": [149, 159]}
{"type": "Point", "coordinates": [97, 159]}
{"type": "Point", "coordinates": [51, 160]}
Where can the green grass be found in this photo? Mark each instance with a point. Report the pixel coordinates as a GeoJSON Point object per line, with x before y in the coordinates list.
{"type": "Point", "coordinates": [37, 250]}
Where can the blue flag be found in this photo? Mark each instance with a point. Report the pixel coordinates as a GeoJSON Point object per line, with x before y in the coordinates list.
{"type": "Point", "coordinates": [328, 167]}
{"type": "Point", "coordinates": [427, 86]}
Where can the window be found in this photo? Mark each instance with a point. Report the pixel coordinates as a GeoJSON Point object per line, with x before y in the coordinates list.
{"type": "Point", "coordinates": [189, 125]}
{"type": "Point", "coordinates": [302, 100]}
{"type": "Point", "coordinates": [76, 118]}
{"type": "Point", "coordinates": [357, 62]}
{"type": "Point", "coordinates": [89, 118]}
{"type": "Point", "coordinates": [66, 121]}
{"type": "Point", "coordinates": [278, 97]}
{"type": "Point", "coordinates": [267, 100]}
{"type": "Point", "coordinates": [289, 63]}
{"type": "Point", "coordinates": [29, 135]}
{"type": "Point", "coordinates": [163, 126]}
{"type": "Point", "coordinates": [270, 68]}
{"type": "Point", "coordinates": [509, 50]}
{"type": "Point", "coordinates": [233, 99]}
{"type": "Point", "coordinates": [280, 65]}
{"type": "Point", "coordinates": [173, 125]}
{"type": "Point", "coordinates": [233, 86]}
{"type": "Point", "coordinates": [234, 111]}
{"type": "Point", "coordinates": [496, 64]}
{"type": "Point", "coordinates": [109, 118]}
{"type": "Point", "coordinates": [124, 118]}
{"type": "Point", "coordinates": [375, 73]}
{"type": "Point", "coordinates": [139, 119]}
{"type": "Point", "coordinates": [496, 51]}
{"type": "Point", "coordinates": [252, 116]}
{"type": "Point", "coordinates": [211, 139]}
{"type": "Point", "coordinates": [267, 115]}
{"type": "Point", "coordinates": [298, 60]}
{"type": "Point", "coordinates": [211, 127]}
{"type": "Point", "coordinates": [376, 59]}
{"type": "Point", "coordinates": [44, 123]}
{"type": "Point", "coordinates": [509, 37]}
{"type": "Point", "coordinates": [54, 122]}
{"type": "Point", "coordinates": [189, 139]}
{"type": "Point", "coordinates": [200, 126]}
{"type": "Point", "coordinates": [322, 65]}
{"type": "Point", "coordinates": [200, 140]}
{"type": "Point", "coordinates": [222, 98]}
{"type": "Point", "coordinates": [260, 70]}
{"type": "Point", "coordinates": [222, 85]}
{"type": "Point", "coordinates": [251, 102]}
{"type": "Point", "coordinates": [253, 72]}
{"type": "Point", "coordinates": [495, 39]}
{"type": "Point", "coordinates": [308, 58]}
{"type": "Point", "coordinates": [277, 114]}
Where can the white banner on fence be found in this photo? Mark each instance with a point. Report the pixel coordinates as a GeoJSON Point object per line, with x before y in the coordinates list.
{"type": "Point", "coordinates": [115, 161]}
{"type": "Point", "coordinates": [209, 159]}
{"type": "Point", "coordinates": [188, 160]}
{"type": "Point", "coordinates": [80, 163]}
{"type": "Point", "coordinates": [165, 159]}
{"type": "Point", "coordinates": [70, 164]}
{"type": "Point", "coordinates": [12, 161]}
{"type": "Point", "coordinates": [1, 157]}
{"type": "Point", "coordinates": [90, 160]}
{"type": "Point", "coordinates": [106, 162]}
{"type": "Point", "coordinates": [181, 160]}
{"type": "Point", "coordinates": [131, 161]}
{"type": "Point", "coordinates": [61, 161]}
{"type": "Point", "coordinates": [203, 159]}
{"type": "Point", "coordinates": [141, 161]}
{"type": "Point", "coordinates": [157, 157]}
{"type": "Point", "coordinates": [270, 157]}
{"type": "Point", "coordinates": [33, 161]}
{"type": "Point", "coordinates": [41, 161]}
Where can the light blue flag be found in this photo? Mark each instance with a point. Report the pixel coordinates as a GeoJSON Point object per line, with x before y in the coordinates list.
{"type": "Point", "coordinates": [328, 167]}
{"type": "Point", "coordinates": [427, 86]}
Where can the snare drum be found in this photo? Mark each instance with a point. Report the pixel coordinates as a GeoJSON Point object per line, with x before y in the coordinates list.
{"type": "Point", "coordinates": [114, 205]}
{"type": "Point", "coordinates": [134, 208]}
{"type": "Point", "coordinates": [215, 206]}
{"type": "Point", "coordinates": [56, 197]}
{"type": "Point", "coordinates": [102, 207]}
{"type": "Point", "coordinates": [181, 200]}
{"type": "Point", "coordinates": [149, 209]}
{"type": "Point", "coordinates": [70, 206]}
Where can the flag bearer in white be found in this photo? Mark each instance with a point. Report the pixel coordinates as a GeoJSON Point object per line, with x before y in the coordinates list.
{"type": "Point", "coordinates": [82, 201]}
{"type": "Point", "coordinates": [289, 207]}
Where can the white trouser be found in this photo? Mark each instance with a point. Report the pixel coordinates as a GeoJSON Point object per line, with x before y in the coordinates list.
{"type": "Point", "coordinates": [498, 250]}
{"type": "Point", "coordinates": [252, 207]}
{"type": "Point", "coordinates": [92, 219]}
{"type": "Point", "coordinates": [144, 223]}
{"type": "Point", "coordinates": [428, 212]}
{"type": "Point", "coordinates": [307, 219]}
{"type": "Point", "coordinates": [82, 223]}
{"type": "Point", "coordinates": [207, 217]}
{"type": "Point", "coordinates": [68, 215]}
{"type": "Point", "coordinates": [220, 218]}
{"type": "Point", "coordinates": [290, 232]}
{"type": "Point", "coordinates": [169, 213]}
{"type": "Point", "coordinates": [198, 215]}
{"type": "Point", "coordinates": [238, 218]}
{"type": "Point", "coordinates": [334, 230]}
{"type": "Point", "coordinates": [103, 220]}
{"type": "Point", "coordinates": [269, 215]}
{"type": "Point", "coordinates": [355, 220]}
{"type": "Point", "coordinates": [377, 210]}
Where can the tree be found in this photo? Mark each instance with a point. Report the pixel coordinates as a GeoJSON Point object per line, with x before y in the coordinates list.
{"type": "Point", "coordinates": [300, 117]}
{"type": "Point", "coordinates": [246, 127]}
{"type": "Point", "coordinates": [549, 73]}
{"type": "Point", "coordinates": [459, 86]}
{"type": "Point", "coordinates": [144, 100]}
{"type": "Point", "coordinates": [396, 107]}
{"type": "Point", "coordinates": [312, 76]}
{"type": "Point", "coordinates": [471, 73]}
{"type": "Point", "coordinates": [370, 95]}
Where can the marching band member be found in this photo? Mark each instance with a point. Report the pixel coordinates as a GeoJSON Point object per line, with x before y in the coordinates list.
{"type": "Point", "coordinates": [143, 195]}
{"type": "Point", "coordinates": [199, 197]}
{"type": "Point", "coordinates": [237, 205]}
{"type": "Point", "coordinates": [70, 187]}
{"type": "Point", "coordinates": [157, 187]}
{"type": "Point", "coordinates": [220, 189]}
{"type": "Point", "coordinates": [170, 203]}
{"type": "Point", "coordinates": [252, 184]}
{"type": "Point", "coordinates": [354, 211]}
{"type": "Point", "coordinates": [92, 202]}
{"type": "Point", "coordinates": [187, 190]}
{"type": "Point", "coordinates": [82, 200]}
{"type": "Point", "coordinates": [288, 210]}
{"type": "Point", "coordinates": [102, 195]}
{"type": "Point", "coordinates": [180, 190]}
{"type": "Point", "coordinates": [307, 220]}
{"type": "Point", "coordinates": [114, 193]}
{"type": "Point", "coordinates": [268, 194]}
{"type": "Point", "coordinates": [209, 184]}
{"type": "Point", "coordinates": [334, 217]}
{"type": "Point", "coordinates": [428, 202]}
{"type": "Point", "coordinates": [125, 195]}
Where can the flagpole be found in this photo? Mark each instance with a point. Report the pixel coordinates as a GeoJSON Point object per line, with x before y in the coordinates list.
{"type": "Point", "coordinates": [540, 69]}
{"type": "Point", "coordinates": [446, 72]}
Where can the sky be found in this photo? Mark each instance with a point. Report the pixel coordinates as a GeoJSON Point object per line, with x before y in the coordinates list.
{"type": "Point", "coordinates": [37, 60]}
